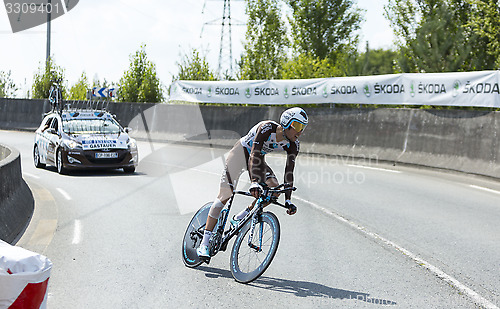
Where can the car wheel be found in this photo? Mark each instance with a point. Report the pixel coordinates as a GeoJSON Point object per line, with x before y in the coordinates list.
{"type": "Point", "coordinates": [129, 169]}
{"type": "Point", "coordinates": [59, 163]}
{"type": "Point", "coordinates": [36, 157]}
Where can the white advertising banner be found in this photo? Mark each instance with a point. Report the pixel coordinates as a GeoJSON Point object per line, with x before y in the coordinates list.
{"type": "Point", "coordinates": [480, 89]}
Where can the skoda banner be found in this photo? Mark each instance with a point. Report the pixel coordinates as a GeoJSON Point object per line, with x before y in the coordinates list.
{"type": "Point", "coordinates": [479, 89]}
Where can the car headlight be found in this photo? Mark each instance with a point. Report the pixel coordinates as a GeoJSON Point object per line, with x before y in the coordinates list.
{"type": "Point", "coordinates": [131, 143]}
{"type": "Point", "coordinates": [73, 145]}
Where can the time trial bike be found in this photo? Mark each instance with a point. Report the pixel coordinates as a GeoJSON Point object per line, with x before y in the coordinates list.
{"type": "Point", "coordinates": [258, 235]}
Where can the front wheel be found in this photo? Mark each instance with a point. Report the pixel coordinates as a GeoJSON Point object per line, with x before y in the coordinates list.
{"type": "Point", "coordinates": [36, 157]}
{"type": "Point", "coordinates": [249, 260]}
{"type": "Point", "coordinates": [59, 163]}
{"type": "Point", "coordinates": [194, 236]}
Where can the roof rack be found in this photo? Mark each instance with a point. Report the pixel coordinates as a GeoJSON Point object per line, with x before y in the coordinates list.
{"type": "Point", "coordinates": [85, 106]}
{"type": "Point", "coordinates": [58, 105]}
{"type": "Point", "coordinates": [78, 106]}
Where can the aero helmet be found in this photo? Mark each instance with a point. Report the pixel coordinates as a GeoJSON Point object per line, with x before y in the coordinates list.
{"type": "Point", "coordinates": [295, 117]}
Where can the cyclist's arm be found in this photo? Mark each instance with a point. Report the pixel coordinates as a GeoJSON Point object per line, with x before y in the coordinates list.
{"type": "Point", "coordinates": [256, 166]}
{"type": "Point", "coordinates": [292, 152]}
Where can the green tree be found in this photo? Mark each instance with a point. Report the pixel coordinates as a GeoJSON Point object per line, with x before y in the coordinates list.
{"type": "Point", "coordinates": [485, 22]}
{"type": "Point", "coordinates": [7, 87]}
{"type": "Point", "coordinates": [326, 29]}
{"type": "Point", "coordinates": [436, 36]}
{"type": "Point", "coordinates": [79, 90]}
{"type": "Point", "coordinates": [375, 62]}
{"type": "Point", "coordinates": [48, 73]}
{"type": "Point", "coordinates": [193, 66]}
{"type": "Point", "coordinates": [96, 82]}
{"type": "Point", "coordinates": [140, 82]}
{"type": "Point", "coordinates": [266, 41]}
{"type": "Point", "coordinates": [307, 66]}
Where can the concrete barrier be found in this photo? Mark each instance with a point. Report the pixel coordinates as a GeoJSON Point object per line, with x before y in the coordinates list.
{"type": "Point", "coordinates": [16, 200]}
{"type": "Point", "coordinates": [459, 140]}
{"type": "Point", "coordinates": [21, 114]}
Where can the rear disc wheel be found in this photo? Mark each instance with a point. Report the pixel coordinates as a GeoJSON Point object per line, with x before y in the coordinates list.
{"type": "Point", "coordinates": [193, 237]}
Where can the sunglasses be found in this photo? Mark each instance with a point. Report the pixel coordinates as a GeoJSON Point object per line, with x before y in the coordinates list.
{"type": "Point", "coordinates": [298, 126]}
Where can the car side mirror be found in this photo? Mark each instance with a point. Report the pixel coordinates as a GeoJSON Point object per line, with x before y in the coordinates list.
{"type": "Point", "coordinates": [127, 130]}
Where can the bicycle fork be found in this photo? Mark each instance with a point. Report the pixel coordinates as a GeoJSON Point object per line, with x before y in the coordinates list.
{"type": "Point", "coordinates": [252, 229]}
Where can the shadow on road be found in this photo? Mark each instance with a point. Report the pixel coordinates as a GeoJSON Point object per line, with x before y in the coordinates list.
{"type": "Point", "coordinates": [93, 172]}
{"type": "Point", "coordinates": [301, 288]}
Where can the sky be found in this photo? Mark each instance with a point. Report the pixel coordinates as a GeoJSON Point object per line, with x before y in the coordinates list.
{"type": "Point", "coordinates": [98, 37]}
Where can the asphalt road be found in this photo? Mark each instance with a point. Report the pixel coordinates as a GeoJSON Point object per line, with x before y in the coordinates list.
{"type": "Point", "coordinates": [366, 235]}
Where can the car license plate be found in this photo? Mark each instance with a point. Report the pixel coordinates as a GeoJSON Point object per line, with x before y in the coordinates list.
{"type": "Point", "coordinates": [106, 155]}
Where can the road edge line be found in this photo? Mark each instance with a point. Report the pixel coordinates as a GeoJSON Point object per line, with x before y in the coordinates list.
{"type": "Point", "coordinates": [473, 295]}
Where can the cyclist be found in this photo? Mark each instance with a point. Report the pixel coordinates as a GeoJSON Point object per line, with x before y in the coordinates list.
{"type": "Point", "coordinates": [248, 154]}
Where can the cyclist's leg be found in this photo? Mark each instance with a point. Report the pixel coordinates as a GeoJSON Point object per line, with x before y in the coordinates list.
{"type": "Point", "coordinates": [271, 181]}
{"type": "Point", "coordinates": [235, 164]}
{"type": "Point", "coordinates": [234, 167]}
{"type": "Point", "coordinates": [242, 214]}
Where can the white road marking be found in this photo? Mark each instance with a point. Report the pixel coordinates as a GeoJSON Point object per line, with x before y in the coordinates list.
{"type": "Point", "coordinates": [485, 189]}
{"type": "Point", "coordinates": [478, 299]}
{"type": "Point", "coordinates": [375, 168]}
{"type": "Point", "coordinates": [31, 175]}
{"type": "Point", "coordinates": [64, 194]}
{"type": "Point", "coordinates": [77, 233]}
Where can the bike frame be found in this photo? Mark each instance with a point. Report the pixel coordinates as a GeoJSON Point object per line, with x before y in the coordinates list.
{"type": "Point", "coordinates": [222, 237]}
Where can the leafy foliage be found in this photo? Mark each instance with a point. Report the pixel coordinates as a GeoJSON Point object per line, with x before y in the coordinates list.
{"type": "Point", "coordinates": [140, 82]}
{"type": "Point", "coordinates": [440, 36]}
{"type": "Point", "coordinates": [485, 22]}
{"type": "Point", "coordinates": [266, 41]}
{"type": "Point", "coordinates": [79, 90]}
{"type": "Point", "coordinates": [48, 73]}
{"type": "Point", "coordinates": [374, 62]}
{"type": "Point", "coordinates": [325, 28]}
{"type": "Point", "coordinates": [96, 82]}
{"type": "Point", "coordinates": [7, 87]}
{"type": "Point", "coordinates": [194, 67]}
{"type": "Point", "coordinates": [308, 66]}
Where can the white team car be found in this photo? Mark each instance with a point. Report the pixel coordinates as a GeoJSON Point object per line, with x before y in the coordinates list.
{"type": "Point", "coordinates": [82, 139]}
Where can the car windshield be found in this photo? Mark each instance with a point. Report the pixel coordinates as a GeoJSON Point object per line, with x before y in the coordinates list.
{"type": "Point", "coordinates": [91, 126]}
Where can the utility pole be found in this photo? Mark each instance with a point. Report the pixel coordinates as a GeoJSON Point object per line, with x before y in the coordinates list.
{"type": "Point", "coordinates": [49, 17]}
{"type": "Point", "coordinates": [225, 66]}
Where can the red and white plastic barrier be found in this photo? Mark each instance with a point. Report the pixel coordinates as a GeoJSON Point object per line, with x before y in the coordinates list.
{"type": "Point", "coordinates": [24, 278]}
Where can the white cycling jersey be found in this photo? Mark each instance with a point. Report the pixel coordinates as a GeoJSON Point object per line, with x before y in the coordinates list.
{"type": "Point", "coordinates": [270, 144]}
